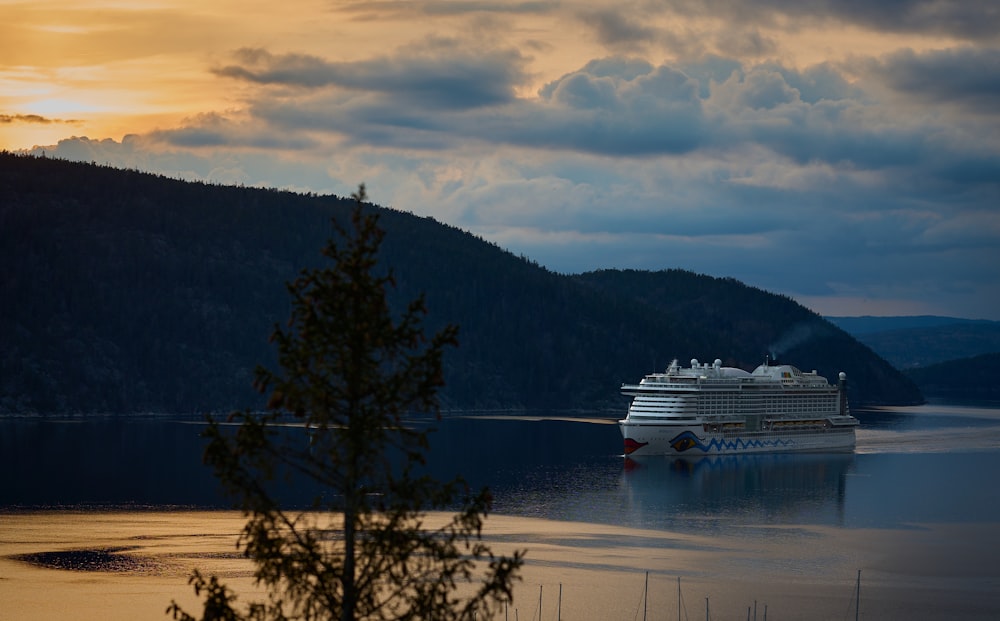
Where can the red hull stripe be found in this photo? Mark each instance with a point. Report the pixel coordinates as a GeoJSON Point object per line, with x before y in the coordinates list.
{"type": "Point", "coordinates": [632, 446]}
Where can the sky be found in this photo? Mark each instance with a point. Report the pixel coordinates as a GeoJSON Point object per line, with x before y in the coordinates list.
{"type": "Point", "coordinates": [845, 153]}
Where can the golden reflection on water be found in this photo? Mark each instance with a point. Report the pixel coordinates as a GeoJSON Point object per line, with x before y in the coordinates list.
{"type": "Point", "coordinates": [160, 548]}
{"type": "Point", "coordinates": [132, 564]}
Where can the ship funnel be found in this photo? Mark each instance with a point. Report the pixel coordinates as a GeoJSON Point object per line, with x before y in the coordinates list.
{"type": "Point", "coordinates": [842, 388]}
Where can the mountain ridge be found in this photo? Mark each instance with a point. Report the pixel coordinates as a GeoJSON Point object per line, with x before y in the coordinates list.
{"type": "Point", "coordinates": [920, 341]}
{"type": "Point", "coordinates": [127, 291]}
{"type": "Point", "coordinates": [866, 324]}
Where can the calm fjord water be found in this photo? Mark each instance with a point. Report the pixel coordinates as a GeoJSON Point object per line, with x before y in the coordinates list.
{"type": "Point", "coordinates": [932, 463]}
{"type": "Point", "coordinates": [915, 507]}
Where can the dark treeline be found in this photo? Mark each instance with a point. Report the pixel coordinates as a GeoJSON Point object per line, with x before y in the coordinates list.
{"type": "Point", "coordinates": [970, 379]}
{"type": "Point", "coordinates": [124, 291]}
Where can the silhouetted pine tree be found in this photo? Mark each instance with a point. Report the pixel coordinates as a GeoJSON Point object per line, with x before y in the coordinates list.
{"type": "Point", "coordinates": [350, 371]}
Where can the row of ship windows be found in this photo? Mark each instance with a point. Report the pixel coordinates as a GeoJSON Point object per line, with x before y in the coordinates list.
{"type": "Point", "coordinates": [770, 401]}
{"type": "Point", "coordinates": [744, 402]}
{"type": "Point", "coordinates": [736, 394]}
{"type": "Point", "coordinates": [715, 406]}
{"type": "Point", "coordinates": [815, 409]}
{"type": "Point", "coordinates": [779, 395]}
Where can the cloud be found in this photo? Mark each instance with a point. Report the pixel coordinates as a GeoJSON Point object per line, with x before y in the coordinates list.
{"type": "Point", "coordinates": [972, 20]}
{"type": "Point", "coordinates": [967, 77]}
{"type": "Point", "coordinates": [617, 106]}
{"type": "Point", "coordinates": [430, 75]}
{"type": "Point", "coordinates": [743, 42]}
{"type": "Point", "coordinates": [613, 107]}
{"type": "Point", "coordinates": [620, 30]}
{"type": "Point", "coordinates": [842, 178]}
{"type": "Point", "coordinates": [763, 90]}
{"type": "Point", "coordinates": [216, 130]}
{"type": "Point", "coordinates": [259, 168]}
{"type": "Point", "coordinates": [33, 118]}
{"type": "Point", "coordinates": [753, 140]}
{"type": "Point", "coordinates": [406, 9]}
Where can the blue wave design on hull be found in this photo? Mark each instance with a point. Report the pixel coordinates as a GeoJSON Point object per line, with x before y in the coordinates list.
{"type": "Point", "coordinates": [687, 440]}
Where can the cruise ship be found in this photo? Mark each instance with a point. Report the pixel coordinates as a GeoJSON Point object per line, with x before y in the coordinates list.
{"type": "Point", "coordinates": [712, 410]}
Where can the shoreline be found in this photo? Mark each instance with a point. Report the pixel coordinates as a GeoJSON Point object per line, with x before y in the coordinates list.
{"type": "Point", "coordinates": [796, 572]}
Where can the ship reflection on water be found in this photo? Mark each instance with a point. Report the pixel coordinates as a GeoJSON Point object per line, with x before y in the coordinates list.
{"type": "Point", "coordinates": [756, 488]}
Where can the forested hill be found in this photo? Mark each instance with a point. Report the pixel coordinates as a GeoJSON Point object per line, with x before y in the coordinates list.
{"type": "Point", "coordinates": [741, 325]}
{"type": "Point", "coordinates": [968, 379]}
{"type": "Point", "coordinates": [129, 292]}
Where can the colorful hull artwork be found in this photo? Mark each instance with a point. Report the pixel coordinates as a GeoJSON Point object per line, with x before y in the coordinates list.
{"type": "Point", "coordinates": [688, 442]}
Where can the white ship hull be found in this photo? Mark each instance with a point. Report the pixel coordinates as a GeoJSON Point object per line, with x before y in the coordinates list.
{"type": "Point", "coordinates": [690, 440]}
{"type": "Point", "coordinates": [716, 410]}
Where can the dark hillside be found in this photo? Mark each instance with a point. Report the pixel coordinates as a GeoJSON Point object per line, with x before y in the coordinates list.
{"type": "Point", "coordinates": [529, 338]}
{"type": "Point", "coordinates": [917, 347]}
{"type": "Point", "coordinates": [742, 324]}
{"type": "Point", "coordinates": [124, 291]}
{"type": "Point", "coordinates": [965, 379]}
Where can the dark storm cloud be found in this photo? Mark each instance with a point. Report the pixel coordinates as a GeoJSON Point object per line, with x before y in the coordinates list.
{"type": "Point", "coordinates": [435, 76]}
{"type": "Point", "coordinates": [977, 20]}
{"type": "Point", "coordinates": [968, 77]}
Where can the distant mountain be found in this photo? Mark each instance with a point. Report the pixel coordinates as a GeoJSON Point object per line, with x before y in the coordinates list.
{"type": "Point", "coordinates": [966, 379]}
{"type": "Point", "coordinates": [909, 342]}
{"type": "Point", "coordinates": [124, 291]}
{"type": "Point", "coordinates": [867, 324]}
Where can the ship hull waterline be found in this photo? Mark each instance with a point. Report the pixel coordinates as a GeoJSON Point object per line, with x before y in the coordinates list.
{"type": "Point", "coordinates": [692, 440]}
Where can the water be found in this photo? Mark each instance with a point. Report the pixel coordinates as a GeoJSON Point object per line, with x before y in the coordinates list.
{"type": "Point", "coordinates": [915, 507]}
{"type": "Point", "coordinates": [925, 464]}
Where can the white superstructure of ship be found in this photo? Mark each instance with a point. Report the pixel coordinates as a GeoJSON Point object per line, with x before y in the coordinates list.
{"type": "Point", "coordinates": [709, 409]}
